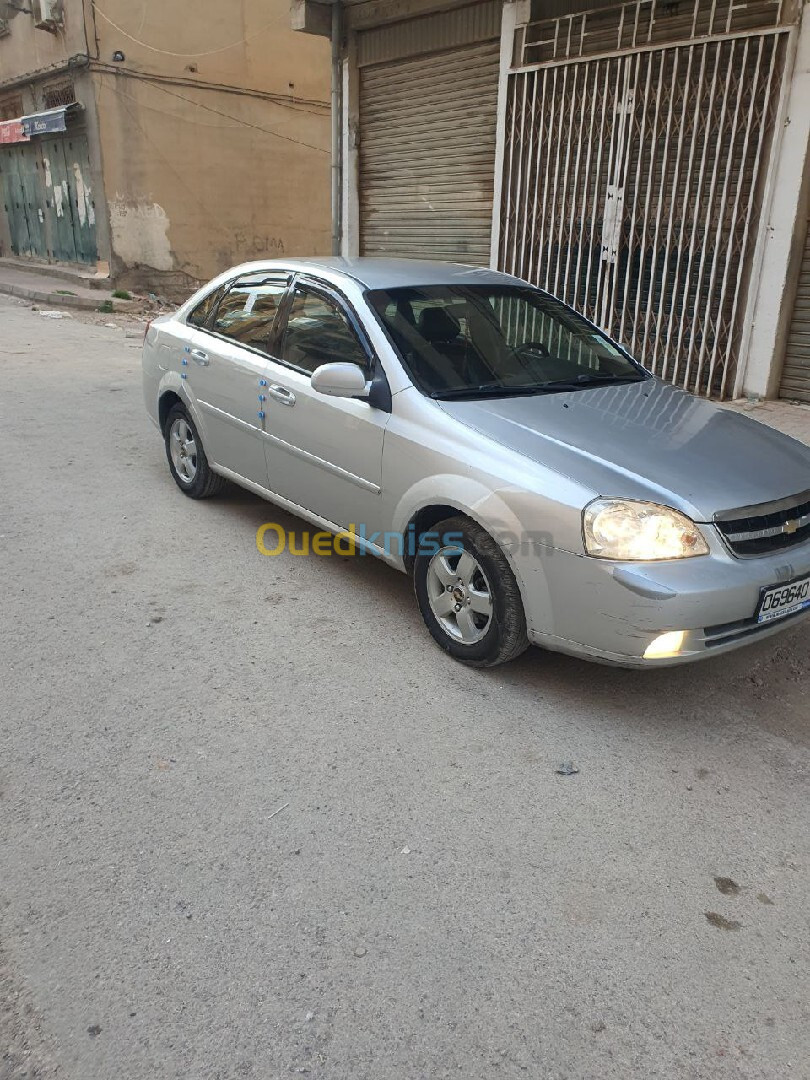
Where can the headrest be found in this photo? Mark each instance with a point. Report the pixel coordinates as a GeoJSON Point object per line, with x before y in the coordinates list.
{"type": "Point", "coordinates": [436, 324]}
{"type": "Point", "coordinates": [405, 311]}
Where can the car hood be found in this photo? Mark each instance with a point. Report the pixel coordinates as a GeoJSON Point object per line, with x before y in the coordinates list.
{"type": "Point", "coordinates": [647, 440]}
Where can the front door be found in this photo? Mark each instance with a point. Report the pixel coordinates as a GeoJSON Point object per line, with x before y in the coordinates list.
{"type": "Point", "coordinates": [323, 453]}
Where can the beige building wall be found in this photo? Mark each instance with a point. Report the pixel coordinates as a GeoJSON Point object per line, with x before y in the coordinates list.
{"type": "Point", "coordinates": [34, 61]}
{"type": "Point", "coordinates": [214, 134]}
{"type": "Point", "coordinates": [208, 126]}
{"type": "Point", "coordinates": [27, 51]}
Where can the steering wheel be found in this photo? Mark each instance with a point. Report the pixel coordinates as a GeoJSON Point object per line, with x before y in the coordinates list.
{"type": "Point", "coordinates": [532, 346]}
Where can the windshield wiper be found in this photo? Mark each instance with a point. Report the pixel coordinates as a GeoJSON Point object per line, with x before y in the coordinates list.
{"type": "Point", "coordinates": [582, 382]}
{"type": "Point", "coordinates": [487, 390]}
{"type": "Point", "coordinates": [499, 389]}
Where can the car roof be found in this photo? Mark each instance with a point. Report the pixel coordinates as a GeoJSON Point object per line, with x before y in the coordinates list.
{"type": "Point", "coordinates": [375, 273]}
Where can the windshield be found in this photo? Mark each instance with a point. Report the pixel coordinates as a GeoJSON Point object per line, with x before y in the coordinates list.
{"type": "Point", "coordinates": [494, 341]}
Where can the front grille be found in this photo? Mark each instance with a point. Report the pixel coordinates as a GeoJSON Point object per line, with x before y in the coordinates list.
{"type": "Point", "coordinates": [771, 527]}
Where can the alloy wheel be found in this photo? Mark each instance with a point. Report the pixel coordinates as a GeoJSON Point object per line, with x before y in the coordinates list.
{"type": "Point", "coordinates": [459, 595]}
{"type": "Point", "coordinates": [183, 449]}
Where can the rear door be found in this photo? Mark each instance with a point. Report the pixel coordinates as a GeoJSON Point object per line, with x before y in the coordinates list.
{"type": "Point", "coordinates": [226, 364]}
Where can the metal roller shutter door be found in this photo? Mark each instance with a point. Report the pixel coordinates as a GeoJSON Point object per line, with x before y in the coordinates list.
{"type": "Point", "coordinates": [427, 155]}
{"type": "Point", "coordinates": [796, 373]}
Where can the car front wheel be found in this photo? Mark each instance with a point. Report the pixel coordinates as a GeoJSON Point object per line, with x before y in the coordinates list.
{"type": "Point", "coordinates": [468, 595]}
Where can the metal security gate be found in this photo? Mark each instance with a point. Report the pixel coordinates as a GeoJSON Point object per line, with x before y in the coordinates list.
{"type": "Point", "coordinates": [16, 165]}
{"type": "Point", "coordinates": [44, 185]}
{"type": "Point", "coordinates": [427, 153]}
{"type": "Point", "coordinates": [70, 208]}
{"type": "Point", "coordinates": [634, 171]}
{"type": "Point", "coordinates": [796, 372]}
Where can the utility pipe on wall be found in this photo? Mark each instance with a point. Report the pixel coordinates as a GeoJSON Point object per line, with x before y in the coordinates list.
{"type": "Point", "coordinates": [337, 123]}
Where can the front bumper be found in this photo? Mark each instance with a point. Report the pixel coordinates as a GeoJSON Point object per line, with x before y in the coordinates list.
{"type": "Point", "coordinates": [613, 612]}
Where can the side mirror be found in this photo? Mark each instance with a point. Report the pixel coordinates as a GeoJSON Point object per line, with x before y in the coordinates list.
{"type": "Point", "coordinates": [340, 380]}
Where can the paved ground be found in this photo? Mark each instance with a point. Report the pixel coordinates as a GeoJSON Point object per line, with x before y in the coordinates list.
{"type": "Point", "coordinates": [790, 417]}
{"type": "Point", "coordinates": [253, 824]}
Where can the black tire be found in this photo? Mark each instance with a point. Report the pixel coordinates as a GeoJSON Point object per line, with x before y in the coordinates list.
{"type": "Point", "coordinates": [205, 482]}
{"type": "Point", "coordinates": [505, 636]}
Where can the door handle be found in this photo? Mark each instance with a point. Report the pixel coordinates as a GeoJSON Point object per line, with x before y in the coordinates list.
{"type": "Point", "coordinates": [281, 394]}
{"type": "Point", "coordinates": [200, 357]}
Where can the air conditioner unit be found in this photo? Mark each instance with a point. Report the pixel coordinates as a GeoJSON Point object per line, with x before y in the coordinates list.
{"type": "Point", "coordinates": [48, 14]}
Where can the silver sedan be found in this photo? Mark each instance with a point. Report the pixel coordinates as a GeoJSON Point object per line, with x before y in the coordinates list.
{"type": "Point", "coordinates": [536, 481]}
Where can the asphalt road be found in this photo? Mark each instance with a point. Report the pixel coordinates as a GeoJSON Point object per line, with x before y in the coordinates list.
{"type": "Point", "coordinates": [254, 824]}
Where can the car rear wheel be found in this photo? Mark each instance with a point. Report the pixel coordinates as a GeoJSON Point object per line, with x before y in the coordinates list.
{"type": "Point", "coordinates": [468, 595]}
{"type": "Point", "coordinates": [187, 461]}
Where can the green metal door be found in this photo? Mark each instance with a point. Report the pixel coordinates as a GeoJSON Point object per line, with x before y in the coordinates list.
{"type": "Point", "coordinates": [48, 199]}
{"type": "Point", "coordinates": [82, 204]}
{"type": "Point", "coordinates": [14, 200]}
{"type": "Point", "coordinates": [33, 193]}
{"type": "Point", "coordinates": [59, 208]}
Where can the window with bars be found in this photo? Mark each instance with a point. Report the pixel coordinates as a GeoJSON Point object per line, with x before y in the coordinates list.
{"type": "Point", "coordinates": [591, 28]}
{"type": "Point", "coordinates": [55, 95]}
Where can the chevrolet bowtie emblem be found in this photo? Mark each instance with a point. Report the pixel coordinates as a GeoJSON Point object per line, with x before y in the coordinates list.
{"type": "Point", "coordinates": [790, 527]}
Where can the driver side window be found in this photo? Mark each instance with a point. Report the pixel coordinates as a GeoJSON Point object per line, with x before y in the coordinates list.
{"type": "Point", "coordinates": [319, 332]}
{"type": "Point", "coordinates": [551, 332]}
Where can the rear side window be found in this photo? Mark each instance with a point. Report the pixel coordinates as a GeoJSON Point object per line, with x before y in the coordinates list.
{"type": "Point", "coordinates": [247, 312]}
{"type": "Point", "coordinates": [202, 312]}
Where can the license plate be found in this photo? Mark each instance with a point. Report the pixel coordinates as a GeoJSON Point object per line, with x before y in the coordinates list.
{"type": "Point", "coordinates": [779, 601]}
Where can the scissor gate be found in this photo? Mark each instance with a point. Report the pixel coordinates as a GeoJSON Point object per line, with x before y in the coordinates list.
{"type": "Point", "coordinates": [636, 160]}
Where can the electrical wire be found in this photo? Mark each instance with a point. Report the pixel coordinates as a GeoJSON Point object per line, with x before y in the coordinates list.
{"type": "Point", "coordinates": [217, 112]}
{"type": "Point", "coordinates": [287, 101]}
{"type": "Point", "coordinates": [245, 123]}
{"type": "Point", "coordinates": [182, 56]}
{"type": "Point", "coordinates": [86, 35]}
{"type": "Point", "coordinates": [161, 112]}
{"type": "Point", "coordinates": [210, 211]}
{"type": "Point", "coordinates": [75, 62]}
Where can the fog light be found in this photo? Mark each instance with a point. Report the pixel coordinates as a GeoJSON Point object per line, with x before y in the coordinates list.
{"type": "Point", "coordinates": [669, 644]}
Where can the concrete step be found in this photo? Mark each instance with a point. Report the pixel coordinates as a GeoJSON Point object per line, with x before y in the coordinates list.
{"type": "Point", "coordinates": [80, 275]}
{"type": "Point", "coordinates": [56, 292]}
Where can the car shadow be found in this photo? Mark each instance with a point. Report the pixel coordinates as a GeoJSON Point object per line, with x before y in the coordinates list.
{"type": "Point", "coordinates": [744, 684]}
{"type": "Point", "coordinates": [761, 683]}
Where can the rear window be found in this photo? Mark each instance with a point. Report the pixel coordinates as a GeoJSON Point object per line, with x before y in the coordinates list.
{"type": "Point", "coordinates": [202, 312]}
{"type": "Point", "coordinates": [248, 310]}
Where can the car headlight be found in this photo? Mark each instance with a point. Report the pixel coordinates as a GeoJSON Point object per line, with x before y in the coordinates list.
{"type": "Point", "coordinates": [625, 530]}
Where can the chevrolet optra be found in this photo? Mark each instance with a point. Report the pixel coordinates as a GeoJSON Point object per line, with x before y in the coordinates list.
{"type": "Point", "coordinates": [537, 482]}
